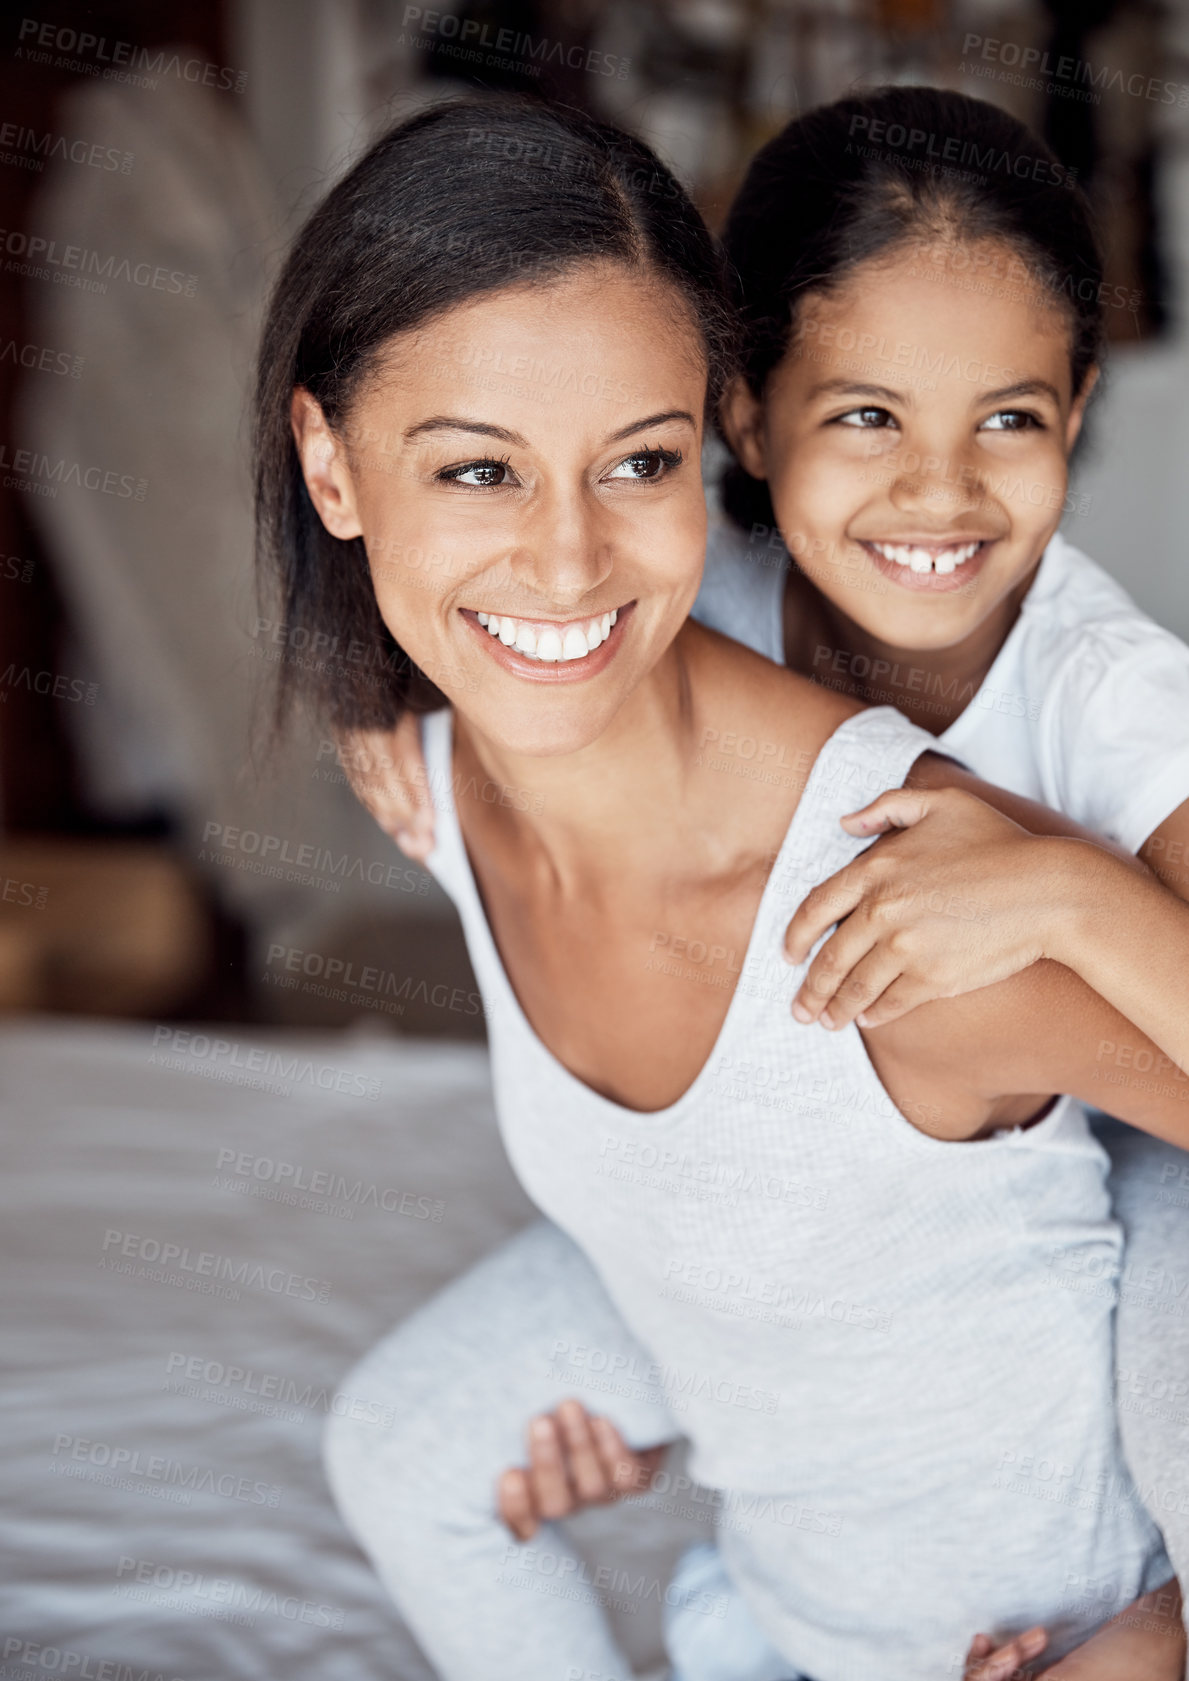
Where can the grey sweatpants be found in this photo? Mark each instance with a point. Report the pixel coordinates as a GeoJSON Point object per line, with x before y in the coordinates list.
{"type": "Point", "coordinates": [532, 1324]}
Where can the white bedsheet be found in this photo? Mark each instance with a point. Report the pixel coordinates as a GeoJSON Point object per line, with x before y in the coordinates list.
{"type": "Point", "coordinates": [106, 1131]}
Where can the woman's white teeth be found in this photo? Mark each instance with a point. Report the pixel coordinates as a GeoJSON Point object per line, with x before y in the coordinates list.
{"type": "Point", "coordinates": [926, 560]}
{"type": "Point", "coordinates": [569, 642]}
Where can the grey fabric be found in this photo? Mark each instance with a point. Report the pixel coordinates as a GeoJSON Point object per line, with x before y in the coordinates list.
{"type": "Point", "coordinates": [971, 1419]}
{"type": "Point", "coordinates": [460, 1381]}
{"type": "Point", "coordinates": [1149, 1186]}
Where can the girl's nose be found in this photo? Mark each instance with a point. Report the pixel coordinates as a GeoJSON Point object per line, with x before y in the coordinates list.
{"type": "Point", "coordinates": [933, 483]}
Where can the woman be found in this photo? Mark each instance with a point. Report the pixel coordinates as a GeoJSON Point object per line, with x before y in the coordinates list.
{"type": "Point", "coordinates": [411, 359]}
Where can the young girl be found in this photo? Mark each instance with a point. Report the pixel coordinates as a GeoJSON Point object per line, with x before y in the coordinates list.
{"type": "Point", "coordinates": [918, 477]}
{"type": "Point", "coordinates": [949, 1194]}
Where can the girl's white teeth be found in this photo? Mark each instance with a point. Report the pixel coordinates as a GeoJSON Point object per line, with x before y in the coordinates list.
{"type": "Point", "coordinates": [573, 642]}
{"type": "Point", "coordinates": [926, 560]}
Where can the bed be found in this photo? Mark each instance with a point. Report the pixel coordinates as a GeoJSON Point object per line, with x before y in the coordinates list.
{"type": "Point", "coordinates": [202, 1230]}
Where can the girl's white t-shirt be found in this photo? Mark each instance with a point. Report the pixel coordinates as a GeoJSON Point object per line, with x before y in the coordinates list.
{"type": "Point", "coordinates": [1086, 707]}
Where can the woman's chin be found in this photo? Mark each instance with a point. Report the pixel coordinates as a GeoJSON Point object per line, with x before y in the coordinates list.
{"type": "Point", "coordinates": [546, 736]}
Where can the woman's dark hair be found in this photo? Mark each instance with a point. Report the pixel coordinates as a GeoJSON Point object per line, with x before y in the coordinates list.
{"type": "Point", "coordinates": [469, 197]}
{"type": "Point", "coordinates": [898, 166]}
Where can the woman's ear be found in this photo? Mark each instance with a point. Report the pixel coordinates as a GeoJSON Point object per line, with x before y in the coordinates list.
{"type": "Point", "coordinates": [741, 415]}
{"type": "Point", "coordinates": [324, 467]}
{"type": "Point", "coordinates": [1078, 411]}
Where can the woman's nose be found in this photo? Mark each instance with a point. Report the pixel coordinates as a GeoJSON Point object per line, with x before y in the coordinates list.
{"type": "Point", "coordinates": [566, 549]}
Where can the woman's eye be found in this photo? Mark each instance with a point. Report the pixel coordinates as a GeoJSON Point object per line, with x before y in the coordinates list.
{"type": "Point", "coordinates": [646, 464]}
{"type": "Point", "coordinates": [868, 418]}
{"type": "Point", "coordinates": [479, 475]}
{"type": "Point", "coordinates": [1010, 420]}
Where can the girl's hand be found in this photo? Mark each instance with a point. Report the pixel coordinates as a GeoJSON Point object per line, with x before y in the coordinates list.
{"type": "Point", "coordinates": [987, 1662]}
{"type": "Point", "coordinates": [387, 774]}
{"type": "Point", "coordinates": [575, 1460]}
{"type": "Point", "coordinates": [959, 898]}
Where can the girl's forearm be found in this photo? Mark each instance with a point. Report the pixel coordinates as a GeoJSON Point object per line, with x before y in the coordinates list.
{"type": "Point", "coordinates": [1146, 1642]}
{"type": "Point", "coordinates": [1127, 937]}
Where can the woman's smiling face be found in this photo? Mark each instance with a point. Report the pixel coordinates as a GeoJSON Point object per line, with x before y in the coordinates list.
{"type": "Point", "coordinates": [915, 439]}
{"type": "Point", "coordinates": [525, 473]}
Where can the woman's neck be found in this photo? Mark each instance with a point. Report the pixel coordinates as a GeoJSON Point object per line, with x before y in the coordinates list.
{"type": "Point", "coordinates": [633, 786]}
{"type": "Point", "coordinates": [932, 686]}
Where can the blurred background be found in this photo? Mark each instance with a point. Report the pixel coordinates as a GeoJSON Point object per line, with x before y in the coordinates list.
{"type": "Point", "coordinates": [241, 1133]}
{"type": "Point", "coordinates": [153, 161]}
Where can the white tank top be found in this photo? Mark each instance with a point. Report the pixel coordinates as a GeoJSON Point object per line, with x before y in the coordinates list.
{"type": "Point", "coordinates": [901, 1330]}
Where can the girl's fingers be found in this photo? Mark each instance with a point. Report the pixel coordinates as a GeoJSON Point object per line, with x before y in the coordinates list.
{"type": "Point", "coordinates": [549, 1484]}
{"type": "Point", "coordinates": [515, 1503]}
{"type": "Point", "coordinates": [899, 808]}
{"type": "Point", "coordinates": [588, 1473]}
{"type": "Point", "coordinates": [902, 996]}
{"type": "Point", "coordinates": [872, 977]}
{"type": "Point", "coordinates": [628, 1471]}
{"type": "Point", "coordinates": [1004, 1662]}
{"type": "Point", "coordinates": [829, 902]}
{"type": "Point", "coordinates": [829, 973]}
{"type": "Point", "coordinates": [386, 770]}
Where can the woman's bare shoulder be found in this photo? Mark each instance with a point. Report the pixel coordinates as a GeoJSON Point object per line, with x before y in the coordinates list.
{"type": "Point", "coordinates": [753, 694]}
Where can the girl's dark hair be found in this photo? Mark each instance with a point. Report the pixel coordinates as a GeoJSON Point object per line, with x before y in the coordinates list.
{"type": "Point", "coordinates": [468, 197]}
{"type": "Point", "coordinates": [901, 165]}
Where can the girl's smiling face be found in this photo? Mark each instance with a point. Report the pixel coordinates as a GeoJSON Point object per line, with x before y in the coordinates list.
{"type": "Point", "coordinates": [915, 439]}
{"type": "Point", "coordinates": [525, 473]}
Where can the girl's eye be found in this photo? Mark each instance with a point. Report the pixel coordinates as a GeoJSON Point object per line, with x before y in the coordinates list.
{"type": "Point", "coordinates": [1010, 420]}
{"type": "Point", "coordinates": [646, 465]}
{"type": "Point", "coordinates": [867, 418]}
{"type": "Point", "coordinates": [478, 475]}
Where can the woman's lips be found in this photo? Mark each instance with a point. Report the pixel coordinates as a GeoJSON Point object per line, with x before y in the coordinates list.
{"type": "Point", "coordinates": [557, 670]}
{"type": "Point", "coordinates": [903, 563]}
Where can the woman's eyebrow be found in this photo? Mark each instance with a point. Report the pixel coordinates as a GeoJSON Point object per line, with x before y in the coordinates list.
{"type": "Point", "coordinates": [651, 420]}
{"type": "Point", "coordinates": [454, 423]}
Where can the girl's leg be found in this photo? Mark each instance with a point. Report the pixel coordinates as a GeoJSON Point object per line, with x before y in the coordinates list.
{"type": "Point", "coordinates": [1150, 1190]}
{"type": "Point", "coordinates": [455, 1387]}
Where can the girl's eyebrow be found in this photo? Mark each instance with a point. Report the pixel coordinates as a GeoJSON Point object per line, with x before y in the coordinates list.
{"type": "Point", "coordinates": [848, 388]}
{"type": "Point", "coordinates": [1023, 388]}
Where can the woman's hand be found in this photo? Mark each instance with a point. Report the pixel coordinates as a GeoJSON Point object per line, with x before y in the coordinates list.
{"type": "Point", "coordinates": [386, 770]}
{"type": "Point", "coordinates": [987, 1662]}
{"type": "Point", "coordinates": [575, 1460]}
{"type": "Point", "coordinates": [961, 896]}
